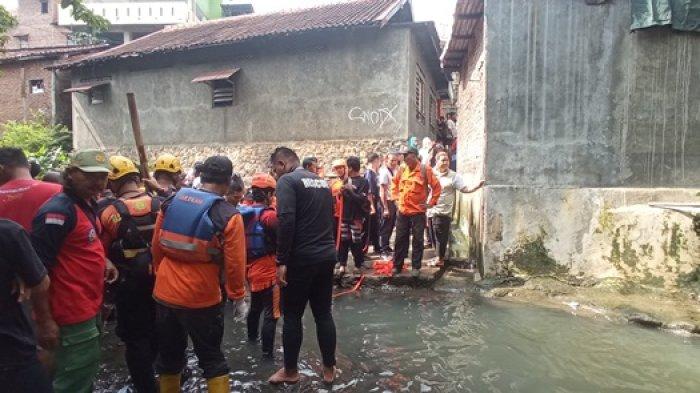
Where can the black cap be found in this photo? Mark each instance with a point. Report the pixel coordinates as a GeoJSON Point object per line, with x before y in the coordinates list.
{"type": "Point", "coordinates": [219, 166]}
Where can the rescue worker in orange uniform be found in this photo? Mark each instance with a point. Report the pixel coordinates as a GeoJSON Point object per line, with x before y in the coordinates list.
{"type": "Point", "coordinates": [197, 234]}
{"type": "Point", "coordinates": [168, 174]}
{"type": "Point", "coordinates": [337, 182]}
{"type": "Point", "coordinates": [261, 232]}
{"type": "Point", "coordinates": [128, 224]}
{"type": "Point", "coordinates": [412, 185]}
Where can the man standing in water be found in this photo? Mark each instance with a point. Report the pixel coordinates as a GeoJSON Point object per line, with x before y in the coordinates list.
{"type": "Point", "coordinates": [306, 257]}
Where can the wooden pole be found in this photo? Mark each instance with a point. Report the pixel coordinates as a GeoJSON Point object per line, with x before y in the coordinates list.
{"type": "Point", "coordinates": [136, 128]}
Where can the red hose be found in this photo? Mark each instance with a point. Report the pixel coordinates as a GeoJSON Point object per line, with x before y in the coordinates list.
{"type": "Point", "coordinates": [357, 286]}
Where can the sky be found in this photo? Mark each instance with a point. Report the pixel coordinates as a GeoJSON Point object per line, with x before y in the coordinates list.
{"type": "Point", "coordinates": [439, 11]}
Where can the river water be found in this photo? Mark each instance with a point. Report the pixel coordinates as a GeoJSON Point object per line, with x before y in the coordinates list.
{"type": "Point", "coordinates": [456, 341]}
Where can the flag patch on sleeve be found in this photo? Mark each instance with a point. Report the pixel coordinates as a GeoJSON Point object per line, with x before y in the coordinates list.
{"type": "Point", "coordinates": [55, 219]}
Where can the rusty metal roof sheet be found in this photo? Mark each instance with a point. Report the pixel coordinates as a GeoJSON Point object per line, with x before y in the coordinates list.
{"type": "Point", "coordinates": [54, 52]}
{"type": "Point", "coordinates": [245, 27]}
{"type": "Point", "coordinates": [227, 73]}
{"type": "Point", "coordinates": [468, 15]}
{"type": "Point", "coordinates": [86, 87]}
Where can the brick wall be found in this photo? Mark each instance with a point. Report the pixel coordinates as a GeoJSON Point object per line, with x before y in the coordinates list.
{"type": "Point", "coordinates": [467, 242]}
{"type": "Point", "coordinates": [17, 101]}
{"type": "Point", "coordinates": [42, 29]}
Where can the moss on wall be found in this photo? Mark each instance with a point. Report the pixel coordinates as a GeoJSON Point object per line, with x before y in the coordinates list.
{"type": "Point", "coordinates": [531, 257]}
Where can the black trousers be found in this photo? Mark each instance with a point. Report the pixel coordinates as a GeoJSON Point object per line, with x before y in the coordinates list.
{"type": "Point", "coordinates": [386, 226]}
{"type": "Point", "coordinates": [312, 284]}
{"type": "Point", "coordinates": [262, 303]}
{"type": "Point", "coordinates": [136, 314]}
{"type": "Point", "coordinates": [371, 233]}
{"type": "Point", "coordinates": [407, 227]}
{"type": "Point", "coordinates": [27, 378]}
{"type": "Point", "coordinates": [441, 229]}
{"type": "Point", "coordinates": [204, 326]}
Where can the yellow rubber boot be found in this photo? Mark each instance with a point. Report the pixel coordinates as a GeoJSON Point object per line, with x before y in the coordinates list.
{"type": "Point", "coordinates": [218, 384]}
{"type": "Point", "coordinates": [170, 383]}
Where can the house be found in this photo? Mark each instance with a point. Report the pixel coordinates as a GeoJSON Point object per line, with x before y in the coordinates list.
{"type": "Point", "coordinates": [36, 26]}
{"type": "Point", "coordinates": [131, 19]}
{"type": "Point", "coordinates": [586, 133]}
{"type": "Point", "coordinates": [334, 80]}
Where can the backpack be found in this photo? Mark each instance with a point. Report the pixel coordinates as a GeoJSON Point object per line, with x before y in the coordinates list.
{"type": "Point", "coordinates": [257, 242]}
{"type": "Point", "coordinates": [131, 251]}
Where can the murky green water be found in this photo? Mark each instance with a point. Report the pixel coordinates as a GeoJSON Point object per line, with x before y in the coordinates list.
{"type": "Point", "coordinates": [431, 341]}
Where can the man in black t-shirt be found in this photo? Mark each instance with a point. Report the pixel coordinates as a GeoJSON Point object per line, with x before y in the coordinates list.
{"type": "Point", "coordinates": [356, 207]}
{"type": "Point", "coordinates": [22, 275]}
{"type": "Point", "coordinates": [305, 258]}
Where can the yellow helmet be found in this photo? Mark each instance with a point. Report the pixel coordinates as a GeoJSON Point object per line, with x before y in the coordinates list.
{"type": "Point", "coordinates": [120, 166]}
{"type": "Point", "coordinates": [168, 163]}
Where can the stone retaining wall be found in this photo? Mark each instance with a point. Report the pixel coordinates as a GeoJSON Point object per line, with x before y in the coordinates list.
{"type": "Point", "coordinates": [254, 157]}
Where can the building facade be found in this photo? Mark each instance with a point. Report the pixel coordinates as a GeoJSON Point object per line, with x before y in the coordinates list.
{"type": "Point", "coordinates": [131, 19]}
{"type": "Point", "coordinates": [362, 85]}
{"type": "Point", "coordinates": [580, 129]}
{"type": "Point", "coordinates": [30, 90]}
{"type": "Point", "coordinates": [37, 26]}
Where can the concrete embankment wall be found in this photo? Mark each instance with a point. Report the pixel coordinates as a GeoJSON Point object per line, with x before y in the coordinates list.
{"type": "Point", "coordinates": [586, 124]}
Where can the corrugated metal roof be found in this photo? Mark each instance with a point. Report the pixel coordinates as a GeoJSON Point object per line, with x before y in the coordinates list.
{"type": "Point", "coordinates": [245, 27]}
{"type": "Point", "coordinates": [55, 52]}
{"type": "Point", "coordinates": [216, 75]}
{"type": "Point", "coordinates": [468, 14]}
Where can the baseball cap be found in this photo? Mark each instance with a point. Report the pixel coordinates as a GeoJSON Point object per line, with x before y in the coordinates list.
{"type": "Point", "coordinates": [90, 160]}
{"type": "Point", "coordinates": [219, 166]}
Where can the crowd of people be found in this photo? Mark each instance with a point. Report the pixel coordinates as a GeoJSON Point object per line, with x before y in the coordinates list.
{"type": "Point", "coordinates": [175, 247]}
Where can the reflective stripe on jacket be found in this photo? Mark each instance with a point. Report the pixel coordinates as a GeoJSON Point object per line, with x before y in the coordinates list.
{"type": "Point", "coordinates": [188, 233]}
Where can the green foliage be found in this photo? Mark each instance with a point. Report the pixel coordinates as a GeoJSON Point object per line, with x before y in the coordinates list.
{"type": "Point", "coordinates": [49, 145]}
{"type": "Point", "coordinates": [7, 22]}
{"type": "Point", "coordinates": [82, 13]}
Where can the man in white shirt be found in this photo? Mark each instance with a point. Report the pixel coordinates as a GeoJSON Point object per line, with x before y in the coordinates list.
{"type": "Point", "coordinates": [387, 206]}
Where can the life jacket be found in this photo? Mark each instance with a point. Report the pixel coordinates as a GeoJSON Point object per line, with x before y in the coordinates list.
{"type": "Point", "coordinates": [257, 242]}
{"type": "Point", "coordinates": [131, 251]}
{"type": "Point", "coordinates": [188, 233]}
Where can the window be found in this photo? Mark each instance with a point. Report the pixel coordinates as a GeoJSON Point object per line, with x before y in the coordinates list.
{"type": "Point", "coordinates": [150, 11]}
{"type": "Point", "coordinates": [44, 6]}
{"type": "Point", "coordinates": [222, 93]}
{"type": "Point", "coordinates": [23, 41]}
{"type": "Point", "coordinates": [420, 98]}
{"type": "Point", "coordinates": [97, 96]}
{"type": "Point", "coordinates": [116, 12]}
{"type": "Point", "coordinates": [36, 86]}
{"type": "Point", "coordinates": [161, 11]}
{"type": "Point", "coordinates": [172, 10]}
{"type": "Point", "coordinates": [128, 11]}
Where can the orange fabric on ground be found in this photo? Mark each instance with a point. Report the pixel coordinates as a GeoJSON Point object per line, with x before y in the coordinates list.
{"type": "Point", "coordinates": [110, 218]}
{"type": "Point", "coordinates": [408, 189]}
{"type": "Point", "coordinates": [196, 285]}
{"type": "Point", "coordinates": [262, 273]}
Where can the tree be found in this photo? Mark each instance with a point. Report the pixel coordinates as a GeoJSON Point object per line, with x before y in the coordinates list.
{"type": "Point", "coordinates": [79, 12]}
{"type": "Point", "coordinates": [48, 144]}
{"type": "Point", "coordinates": [7, 22]}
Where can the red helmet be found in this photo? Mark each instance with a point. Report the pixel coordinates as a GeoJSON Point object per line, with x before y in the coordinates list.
{"type": "Point", "coordinates": [263, 180]}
